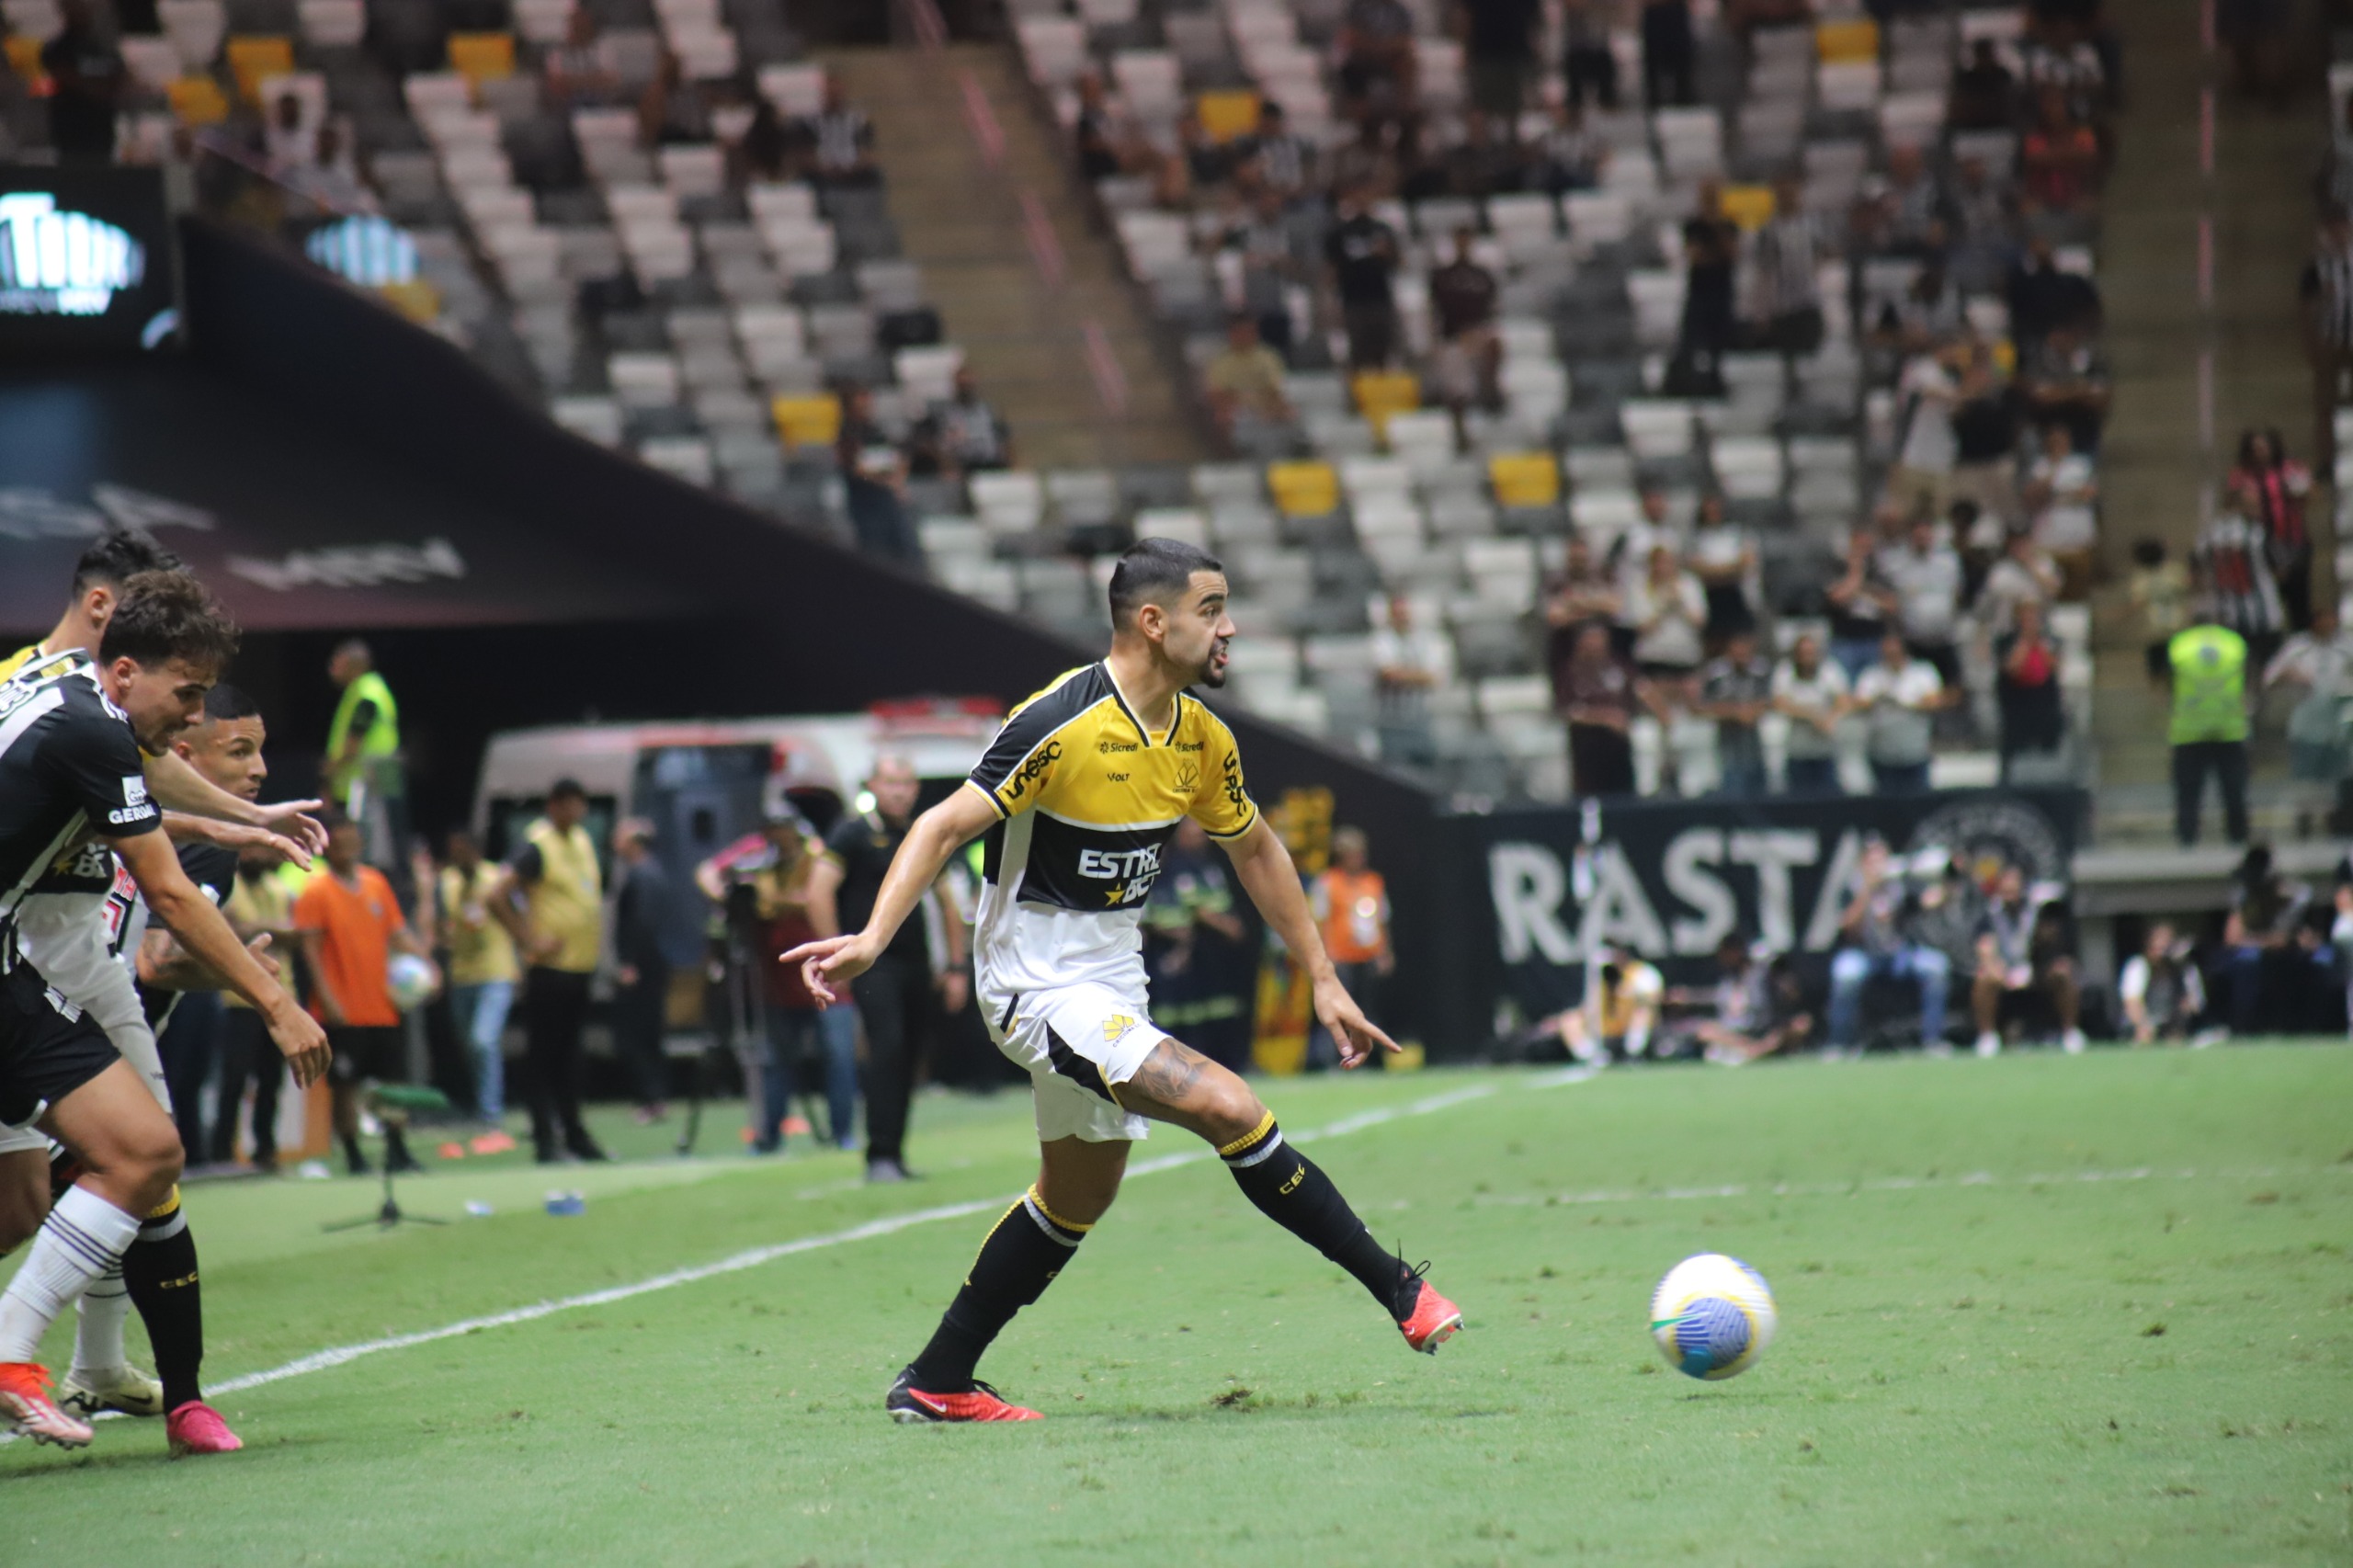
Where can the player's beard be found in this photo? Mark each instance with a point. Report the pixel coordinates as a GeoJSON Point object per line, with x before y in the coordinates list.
{"type": "Point", "coordinates": [1213, 668]}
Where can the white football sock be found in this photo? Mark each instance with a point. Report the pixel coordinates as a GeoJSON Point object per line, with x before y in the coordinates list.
{"type": "Point", "coordinates": [97, 1330]}
{"type": "Point", "coordinates": [83, 1239]}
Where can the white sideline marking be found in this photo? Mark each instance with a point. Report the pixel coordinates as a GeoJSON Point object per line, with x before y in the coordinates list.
{"type": "Point", "coordinates": [1884, 1184]}
{"type": "Point", "coordinates": [322, 1360]}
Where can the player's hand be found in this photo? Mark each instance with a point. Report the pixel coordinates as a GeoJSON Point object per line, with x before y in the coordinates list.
{"type": "Point", "coordinates": [829, 964]}
{"type": "Point", "coordinates": [955, 989]}
{"type": "Point", "coordinates": [1350, 1030]}
{"type": "Point", "coordinates": [302, 1043]}
{"type": "Point", "coordinates": [295, 818]}
{"type": "Point", "coordinates": [259, 949]}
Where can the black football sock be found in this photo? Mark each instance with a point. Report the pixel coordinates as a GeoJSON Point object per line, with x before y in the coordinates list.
{"type": "Point", "coordinates": [1016, 1263]}
{"type": "Point", "coordinates": [1293, 1190]}
{"type": "Point", "coordinates": [160, 1270]}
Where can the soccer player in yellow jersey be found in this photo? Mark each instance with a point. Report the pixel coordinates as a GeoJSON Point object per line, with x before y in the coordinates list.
{"type": "Point", "coordinates": [1078, 794]}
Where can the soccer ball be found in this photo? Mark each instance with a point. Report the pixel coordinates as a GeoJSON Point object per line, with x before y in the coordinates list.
{"type": "Point", "coordinates": [1713, 1316]}
{"type": "Point", "coordinates": [409, 980]}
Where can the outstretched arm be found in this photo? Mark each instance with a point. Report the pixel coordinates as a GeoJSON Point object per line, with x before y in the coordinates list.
{"type": "Point", "coordinates": [180, 788]}
{"type": "Point", "coordinates": [830, 963]}
{"type": "Point", "coordinates": [1271, 880]}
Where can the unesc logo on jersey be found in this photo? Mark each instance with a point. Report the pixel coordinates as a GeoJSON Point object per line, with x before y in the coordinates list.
{"type": "Point", "coordinates": [62, 264]}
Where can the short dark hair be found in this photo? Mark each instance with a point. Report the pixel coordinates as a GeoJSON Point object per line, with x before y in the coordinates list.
{"type": "Point", "coordinates": [333, 818]}
{"type": "Point", "coordinates": [165, 615]}
{"type": "Point", "coordinates": [1150, 567]}
{"type": "Point", "coordinates": [118, 557]}
{"type": "Point", "coordinates": [226, 701]}
{"type": "Point", "coordinates": [566, 790]}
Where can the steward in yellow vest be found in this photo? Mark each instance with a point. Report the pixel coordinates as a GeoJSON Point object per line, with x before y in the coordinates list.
{"type": "Point", "coordinates": [564, 896]}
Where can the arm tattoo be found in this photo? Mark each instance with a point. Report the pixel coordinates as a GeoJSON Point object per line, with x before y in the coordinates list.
{"type": "Point", "coordinates": [1168, 1075]}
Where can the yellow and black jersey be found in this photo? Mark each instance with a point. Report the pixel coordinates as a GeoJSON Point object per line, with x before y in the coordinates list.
{"type": "Point", "coordinates": [28, 663]}
{"type": "Point", "coordinates": [1088, 797]}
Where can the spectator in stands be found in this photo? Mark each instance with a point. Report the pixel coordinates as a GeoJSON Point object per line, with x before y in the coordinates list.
{"type": "Point", "coordinates": [2025, 574]}
{"type": "Point", "coordinates": [2317, 666]}
{"type": "Point", "coordinates": [1596, 691]}
{"type": "Point", "coordinates": [1902, 213]}
{"type": "Point", "coordinates": [1486, 161]}
{"type": "Point", "coordinates": [2208, 728]}
{"type": "Point", "coordinates": [1363, 254]}
{"type": "Point", "coordinates": [1244, 384]}
{"type": "Point", "coordinates": [1568, 157]}
{"type": "Point", "coordinates": [1669, 54]}
{"type": "Point", "coordinates": [1499, 53]}
{"type": "Point", "coordinates": [2058, 160]}
{"type": "Point", "coordinates": [1925, 573]}
{"type": "Point", "coordinates": [288, 140]}
{"type": "Point", "coordinates": [2026, 687]}
{"type": "Point", "coordinates": [962, 434]}
{"type": "Point", "coordinates": [1710, 255]}
{"type": "Point", "coordinates": [1409, 662]}
{"type": "Point", "coordinates": [1984, 229]}
{"type": "Point", "coordinates": [1811, 693]}
{"type": "Point", "coordinates": [1370, 162]}
{"type": "Point", "coordinates": [1261, 237]}
{"type": "Point", "coordinates": [1899, 697]}
{"type": "Point", "coordinates": [1350, 902]}
{"type": "Point", "coordinates": [874, 475]}
{"type": "Point", "coordinates": [1723, 557]}
{"type": "Point", "coordinates": [1878, 937]}
{"type": "Point", "coordinates": [1104, 149]}
{"type": "Point", "coordinates": [2160, 988]}
{"type": "Point", "coordinates": [841, 139]}
{"type": "Point", "coordinates": [1862, 604]}
{"type": "Point", "coordinates": [2259, 36]}
{"type": "Point", "coordinates": [87, 85]}
{"type": "Point", "coordinates": [2065, 379]}
{"type": "Point", "coordinates": [1737, 690]}
{"type": "Point", "coordinates": [1279, 160]}
{"type": "Point", "coordinates": [2043, 296]}
{"type": "Point", "coordinates": [1928, 392]}
{"type": "Point", "coordinates": [2233, 559]}
{"type": "Point", "coordinates": [1985, 92]}
{"type": "Point", "coordinates": [2062, 499]}
{"type": "Point", "coordinates": [642, 914]}
{"type": "Point", "coordinates": [1631, 551]}
{"type": "Point", "coordinates": [2158, 589]}
{"type": "Point", "coordinates": [1376, 61]}
{"type": "Point", "coordinates": [1787, 258]}
{"type": "Point", "coordinates": [479, 924]}
{"type": "Point", "coordinates": [1585, 592]}
{"type": "Point", "coordinates": [1985, 438]}
{"type": "Point", "coordinates": [766, 152]}
{"type": "Point", "coordinates": [1668, 612]}
{"type": "Point", "coordinates": [580, 73]}
{"type": "Point", "coordinates": [2326, 292]}
{"type": "Point", "coordinates": [331, 182]}
{"type": "Point", "coordinates": [2258, 938]}
{"type": "Point", "coordinates": [1588, 65]}
{"type": "Point", "coordinates": [2278, 486]}
{"type": "Point", "coordinates": [2022, 950]}
{"type": "Point", "coordinates": [1923, 316]}
{"type": "Point", "coordinates": [1469, 358]}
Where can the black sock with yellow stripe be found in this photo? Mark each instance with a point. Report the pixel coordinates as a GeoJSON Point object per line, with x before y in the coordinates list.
{"type": "Point", "coordinates": [1293, 1190]}
{"type": "Point", "coordinates": [159, 1270]}
{"type": "Point", "coordinates": [1016, 1264]}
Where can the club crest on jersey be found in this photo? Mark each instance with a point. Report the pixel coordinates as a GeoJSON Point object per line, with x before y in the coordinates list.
{"type": "Point", "coordinates": [134, 791]}
{"type": "Point", "coordinates": [1189, 777]}
{"type": "Point", "coordinates": [1117, 1027]}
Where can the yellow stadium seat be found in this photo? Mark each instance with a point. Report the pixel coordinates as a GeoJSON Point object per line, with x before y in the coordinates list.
{"type": "Point", "coordinates": [255, 58]}
{"type": "Point", "coordinates": [1524, 478]}
{"type": "Point", "coordinates": [1305, 489]}
{"type": "Point", "coordinates": [1750, 206]}
{"type": "Point", "coordinates": [812, 421]}
{"type": "Point", "coordinates": [199, 100]}
{"type": "Point", "coordinates": [483, 57]}
{"type": "Point", "coordinates": [1847, 42]}
{"type": "Point", "coordinates": [1227, 114]}
{"type": "Point", "coordinates": [24, 57]}
{"type": "Point", "coordinates": [419, 300]}
{"type": "Point", "coordinates": [1380, 393]}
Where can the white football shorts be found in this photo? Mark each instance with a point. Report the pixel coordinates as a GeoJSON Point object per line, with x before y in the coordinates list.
{"type": "Point", "coordinates": [1080, 1044]}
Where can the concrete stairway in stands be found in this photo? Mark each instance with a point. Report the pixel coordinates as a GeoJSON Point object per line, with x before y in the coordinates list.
{"type": "Point", "coordinates": [2155, 469]}
{"type": "Point", "coordinates": [1044, 347]}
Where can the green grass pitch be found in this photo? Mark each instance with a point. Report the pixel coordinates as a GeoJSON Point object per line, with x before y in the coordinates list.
{"type": "Point", "coordinates": [2035, 1311]}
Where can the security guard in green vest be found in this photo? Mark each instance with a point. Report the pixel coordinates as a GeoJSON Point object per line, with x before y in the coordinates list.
{"type": "Point", "coordinates": [364, 758]}
{"type": "Point", "coordinates": [2209, 727]}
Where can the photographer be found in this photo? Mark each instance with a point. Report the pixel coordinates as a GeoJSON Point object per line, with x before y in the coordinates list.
{"type": "Point", "coordinates": [1630, 993]}
{"type": "Point", "coordinates": [2160, 988]}
{"type": "Point", "coordinates": [1878, 931]}
{"type": "Point", "coordinates": [761, 886]}
{"type": "Point", "coordinates": [1757, 1004]}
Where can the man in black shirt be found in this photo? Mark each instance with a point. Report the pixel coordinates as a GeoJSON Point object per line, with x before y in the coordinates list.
{"type": "Point", "coordinates": [70, 769]}
{"type": "Point", "coordinates": [896, 997]}
{"type": "Point", "coordinates": [1711, 251]}
{"type": "Point", "coordinates": [1362, 250]}
{"type": "Point", "coordinates": [1499, 51]}
{"type": "Point", "coordinates": [86, 74]}
{"type": "Point", "coordinates": [1471, 353]}
{"type": "Point", "coordinates": [641, 917]}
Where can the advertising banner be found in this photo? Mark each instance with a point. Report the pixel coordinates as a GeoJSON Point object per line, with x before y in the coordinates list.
{"type": "Point", "coordinates": [1671, 880]}
{"type": "Point", "coordinates": [85, 261]}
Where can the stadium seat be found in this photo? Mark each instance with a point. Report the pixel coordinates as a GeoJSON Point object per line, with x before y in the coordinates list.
{"type": "Point", "coordinates": [1305, 489]}
{"type": "Point", "coordinates": [198, 101]}
{"type": "Point", "coordinates": [1846, 40]}
{"type": "Point", "coordinates": [1525, 479]}
{"type": "Point", "coordinates": [254, 57]}
{"type": "Point", "coordinates": [482, 57]}
{"type": "Point", "coordinates": [812, 421]}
